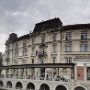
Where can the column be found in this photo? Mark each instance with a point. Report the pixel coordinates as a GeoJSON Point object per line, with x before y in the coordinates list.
{"type": "Point", "coordinates": [72, 73]}
{"type": "Point", "coordinates": [52, 72]}
{"type": "Point", "coordinates": [85, 74]}
{"type": "Point", "coordinates": [58, 71]}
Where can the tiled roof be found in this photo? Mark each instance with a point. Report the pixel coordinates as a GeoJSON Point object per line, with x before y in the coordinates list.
{"type": "Point", "coordinates": [76, 27]}
{"type": "Point", "coordinates": [49, 24]}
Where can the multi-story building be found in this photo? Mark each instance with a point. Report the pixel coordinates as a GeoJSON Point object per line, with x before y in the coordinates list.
{"type": "Point", "coordinates": [52, 54]}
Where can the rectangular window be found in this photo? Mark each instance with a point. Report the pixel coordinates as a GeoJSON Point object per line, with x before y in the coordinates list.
{"type": "Point", "coordinates": [32, 61]}
{"type": "Point", "coordinates": [83, 47]}
{"type": "Point", "coordinates": [32, 41]}
{"type": "Point", "coordinates": [23, 61]}
{"type": "Point", "coordinates": [24, 43]}
{"type": "Point", "coordinates": [83, 35]}
{"type": "Point", "coordinates": [24, 52]}
{"type": "Point", "coordinates": [43, 40]}
{"type": "Point", "coordinates": [68, 36]}
{"type": "Point", "coordinates": [54, 59]}
{"type": "Point", "coordinates": [16, 46]}
{"type": "Point", "coordinates": [68, 47]}
{"type": "Point", "coordinates": [68, 60]}
{"type": "Point", "coordinates": [15, 62]}
{"type": "Point", "coordinates": [54, 38]}
{"type": "Point", "coordinates": [16, 53]}
{"type": "Point", "coordinates": [42, 60]}
{"type": "Point", "coordinates": [54, 48]}
{"type": "Point", "coordinates": [32, 50]}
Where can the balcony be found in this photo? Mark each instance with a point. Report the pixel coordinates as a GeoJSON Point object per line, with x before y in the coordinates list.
{"type": "Point", "coordinates": [42, 45]}
{"type": "Point", "coordinates": [42, 54]}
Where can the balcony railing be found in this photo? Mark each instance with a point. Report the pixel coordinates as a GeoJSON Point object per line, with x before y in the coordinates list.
{"type": "Point", "coordinates": [42, 54]}
{"type": "Point", "coordinates": [36, 78]}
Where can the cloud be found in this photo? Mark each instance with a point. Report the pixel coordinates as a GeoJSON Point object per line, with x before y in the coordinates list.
{"type": "Point", "coordinates": [21, 16]}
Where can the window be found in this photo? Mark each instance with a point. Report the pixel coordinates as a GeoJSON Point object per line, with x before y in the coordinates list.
{"type": "Point", "coordinates": [8, 47]}
{"type": "Point", "coordinates": [32, 61]}
{"type": "Point", "coordinates": [16, 53]}
{"type": "Point", "coordinates": [8, 62]}
{"type": "Point", "coordinates": [54, 38]}
{"type": "Point", "coordinates": [84, 35]}
{"type": "Point", "coordinates": [42, 60]}
{"type": "Point", "coordinates": [54, 59]}
{"type": "Point", "coordinates": [43, 50]}
{"type": "Point", "coordinates": [33, 50]}
{"type": "Point", "coordinates": [33, 41]}
{"type": "Point", "coordinates": [68, 47]}
{"type": "Point", "coordinates": [15, 62]}
{"type": "Point", "coordinates": [68, 60]}
{"type": "Point", "coordinates": [68, 36]}
{"type": "Point", "coordinates": [24, 52]}
{"type": "Point", "coordinates": [16, 46]}
{"type": "Point", "coordinates": [54, 48]}
{"type": "Point", "coordinates": [8, 54]}
{"type": "Point", "coordinates": [24, 43]}
{"type": "Point", "coordinates": [83, 47]}
{"type": "Point", "coordinates": [43, 40]}
{"type": "Point", "coordinates": [23, 61]}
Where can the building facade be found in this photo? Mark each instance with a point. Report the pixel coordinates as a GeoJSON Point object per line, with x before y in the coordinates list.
{"type": "Point", "coordinates": [52, 52]}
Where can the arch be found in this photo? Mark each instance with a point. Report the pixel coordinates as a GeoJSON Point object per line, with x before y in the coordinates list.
{"type": "Point", "coordinates": [1, 83]}
{"type": "Point", "coordinates": [19, 85]}
{"type": "Point", "coordinates": [9, 84]}
{"type": "Point", "coordinates": [44, 87]}
{"type": "Point", "coordinates": [60, 87]}
{"type": "Point", "coordinates": [79, 88]}
{"type": "Point", "coordinates": [30, 86]}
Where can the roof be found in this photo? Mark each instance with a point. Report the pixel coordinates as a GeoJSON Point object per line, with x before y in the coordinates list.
{"type": "Point", "coordinates": [76, 27]}
{"type": "Point", "coordinates": [14, 39]}
{"type": "Point", "coordinates": [49, 24]}
{"type": "Point", "coordinates": [23, 37]}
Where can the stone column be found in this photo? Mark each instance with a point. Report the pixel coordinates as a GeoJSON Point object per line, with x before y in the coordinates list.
{"type": "Point", "coordinates": [85, 74]}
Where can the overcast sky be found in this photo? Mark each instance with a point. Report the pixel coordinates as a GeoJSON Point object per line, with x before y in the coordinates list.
{"type": "Point", "coordinates": [21, 16]}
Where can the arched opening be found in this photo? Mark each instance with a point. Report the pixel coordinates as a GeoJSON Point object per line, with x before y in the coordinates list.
{"type": "Point", "coordinates": [79, 88]}
{"type": "Point", "coordinates": [44, 87]}
{"type": "Point", "coordinates": [9, 84]}
{"type": "Point", "coordinates": [1, 83]}
{"type": "Point", "coordinates": [61, 87]}
{"type": "Point", "coordinates": [30, 86]}
{"type": "Point", "coordinates": [19, 85]}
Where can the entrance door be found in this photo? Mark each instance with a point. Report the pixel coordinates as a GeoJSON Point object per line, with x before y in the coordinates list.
{"type": "Point", "coordinates": [42, 71]}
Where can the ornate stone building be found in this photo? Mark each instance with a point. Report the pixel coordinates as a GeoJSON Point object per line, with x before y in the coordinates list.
{"type": "Point", "coordinates": [51, 53]}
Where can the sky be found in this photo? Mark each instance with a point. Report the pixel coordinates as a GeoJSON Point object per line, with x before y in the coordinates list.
{"type": "Point", "coordinates": [20, 16]}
